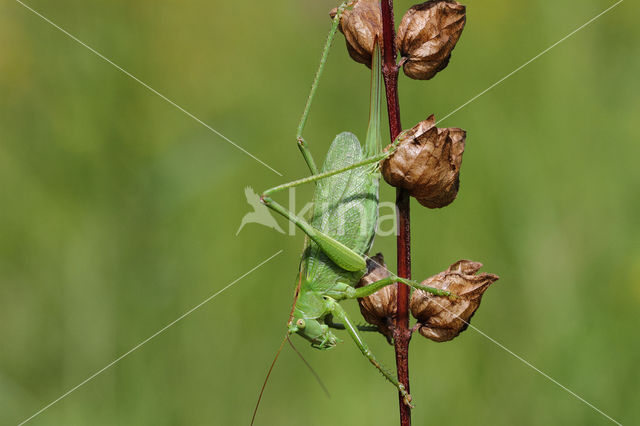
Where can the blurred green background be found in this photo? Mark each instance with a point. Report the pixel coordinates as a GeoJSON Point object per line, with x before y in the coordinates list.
{"type": "Point", "coordinates": [118, 213]}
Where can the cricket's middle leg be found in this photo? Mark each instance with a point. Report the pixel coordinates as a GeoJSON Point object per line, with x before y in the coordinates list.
{"type": "Point", "coordinates": [368, 290]}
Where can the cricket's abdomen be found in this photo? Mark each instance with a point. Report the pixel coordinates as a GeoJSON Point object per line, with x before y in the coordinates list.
{"type": "Point", "coordinates": [345, 208]}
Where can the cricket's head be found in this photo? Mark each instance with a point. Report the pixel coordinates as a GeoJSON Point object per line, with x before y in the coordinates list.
{"type": "Point", "coordinates": [320, 336]}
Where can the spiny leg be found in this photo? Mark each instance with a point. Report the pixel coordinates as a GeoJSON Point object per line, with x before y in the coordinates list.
{"type": "Point", "coordinates": [341, 315]}
{"type": "Point", "coordinates": [337, 252]}
{"type": "Point", "coordinates": [342, 255]}
{"type": "Point", "coordinates": [319, 176]}
{"type": "Point", "coordinates": [302, 144]}
{"type": "Point", "coordinates": [354, 293]}
{"type": "Point", "coordinates": [372, 146]}
{"type": "Point", "coordinates": [328, 320]}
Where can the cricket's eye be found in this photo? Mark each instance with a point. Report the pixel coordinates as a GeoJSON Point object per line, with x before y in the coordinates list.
{"type": "Point", "coordinates": [301, 323]}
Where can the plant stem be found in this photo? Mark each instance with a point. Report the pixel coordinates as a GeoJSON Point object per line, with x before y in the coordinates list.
{"type": "Point", "coordinates": [402, 334]}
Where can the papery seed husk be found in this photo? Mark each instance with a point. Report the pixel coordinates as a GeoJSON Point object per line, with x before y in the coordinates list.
{"type": "Point", "coordinates": [426, 36]}
{"type": "Point", "coordinates": [427, 163]}
{"type": "Point", "coordinates": [379, 309]}
{"type": "Point", "coordinates": [442, 318]}
{"type": "Point", "coordinates": [360, 26]}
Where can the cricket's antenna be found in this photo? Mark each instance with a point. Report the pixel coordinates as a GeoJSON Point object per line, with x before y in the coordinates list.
{"type": "Point", "coordinates": [316, 375]}
{"type": "Point", "coordinates": [286, 338]}
{"type": "Point", "coordinates": [295, 299]}
{"type": "Point", "coordinates": [255, 410]}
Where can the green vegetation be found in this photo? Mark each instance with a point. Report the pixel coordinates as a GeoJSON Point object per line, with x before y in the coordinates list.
{"type": "Point", "coordinates": [118, 213]}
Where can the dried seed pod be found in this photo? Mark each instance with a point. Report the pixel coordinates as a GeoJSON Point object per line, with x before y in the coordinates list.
{"type": "Point", "coordinates": [360, 26]}
{"type": "Point", "coordinates": [440, 318]}
{"type": "Point", "coordinates": [379, 308]}
{"type": "Point", "coordinates": [427, 163]}
{"type": "Point", "coordinates": [426, 36]}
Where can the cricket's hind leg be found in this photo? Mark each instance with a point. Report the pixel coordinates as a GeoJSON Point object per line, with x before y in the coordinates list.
{"type": "Point", "coordinates": [339, 313]}
{"type": "Point", "coordinates": [343, 256]}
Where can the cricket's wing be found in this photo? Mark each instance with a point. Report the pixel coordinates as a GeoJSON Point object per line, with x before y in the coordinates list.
{"type": "Point", "coordinates": [345, 208]}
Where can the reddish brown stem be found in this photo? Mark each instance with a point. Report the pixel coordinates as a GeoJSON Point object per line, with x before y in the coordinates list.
{"type": "Point", "coordinates": [402, 334]}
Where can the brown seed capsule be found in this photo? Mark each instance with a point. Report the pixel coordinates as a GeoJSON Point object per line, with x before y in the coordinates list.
{"type": "Point", "coordinates": [379, 309]}
{"type": "Point", "coordinates": [360, 26]}
{"type": "Point", "coordinates": [427, 163]}
{"type": "Point", "coordinates": [440, 318]}
{"type": "Point", "coordinates": [426, 36]}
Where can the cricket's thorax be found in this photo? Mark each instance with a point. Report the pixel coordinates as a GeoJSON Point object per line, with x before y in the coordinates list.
{"type": "Point", "coordinates": [309, 318]}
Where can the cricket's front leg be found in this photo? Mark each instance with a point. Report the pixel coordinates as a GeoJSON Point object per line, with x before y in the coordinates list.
{"type": "Point", "coordinates": [302, 144]}
{"type": "Point", "coordinates": [337, 311]}
{"type": "Point", "coordinates": [308, 158]}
